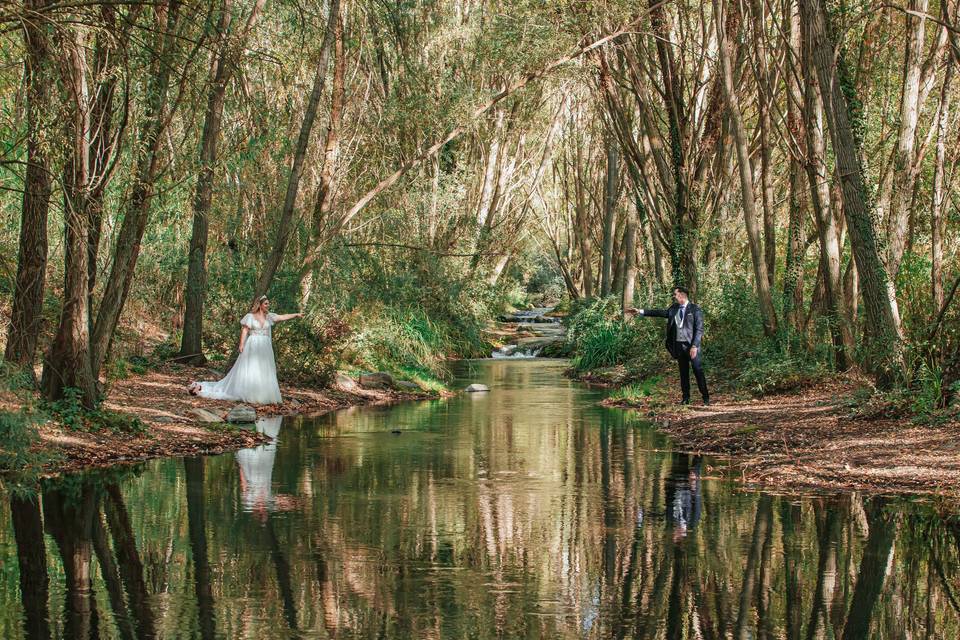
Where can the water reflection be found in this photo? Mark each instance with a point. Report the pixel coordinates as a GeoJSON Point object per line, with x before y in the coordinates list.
{"type": "Point", "coordinates": [256, 469]}
{"type": "Point", "coordinates": [526, 512]}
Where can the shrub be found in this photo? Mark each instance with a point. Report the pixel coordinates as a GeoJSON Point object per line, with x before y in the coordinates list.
{"type": "Point", "coordinates": [17, 436]}
{"type": "Point", "coordinates": [598, 338]}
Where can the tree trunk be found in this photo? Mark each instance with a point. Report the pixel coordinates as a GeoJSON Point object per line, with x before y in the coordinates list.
{"type": "Point", "coordinates": [937, 226]}
{"type": "Point", "coordinates": [683, 244]}
{"type": "Point", "coordinates": [904, 170]}
{"type": "Point", "coordinates": [67, 364]}
{"type": "Point", "coordinates": [761, 278]}
{"type": "Point", "coordinates": [609, 218]}
{"type": "Point", "coordinates": [630, 255]}
{"type": "Point", "coordinates": [285, 223]}
{"type": "Point", "coordinates": [137, 213]}
{"type": "Point", "coordinates": [27, 312]}
{"type": "Point", "coordinates": [882, 316]}
{"type": "Point", "coordinates": [817, 177]}
{"type": "Point", "coordinates": [796, 245]}
{"type": "Point", "coordinates": [191, 343]}
{"type": "Point", "coordinates": [331, 148]}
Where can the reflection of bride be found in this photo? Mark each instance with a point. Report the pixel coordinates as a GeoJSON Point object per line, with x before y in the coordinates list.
{"type": "Point", "coordinates": [253, 377]}
{"type": "Point", "coordinates": [256, 469]}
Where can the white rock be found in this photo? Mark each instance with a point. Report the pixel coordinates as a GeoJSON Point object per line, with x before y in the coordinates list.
{"type": "Point", "coordinates": [202, 415]}
{"type": "Point", "coordinates": [476, 387]}
{"type": "Point", "coordinates": [242, 413]}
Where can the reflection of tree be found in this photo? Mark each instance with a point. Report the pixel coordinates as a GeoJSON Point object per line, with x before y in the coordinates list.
{"type": "Point", "coordinates": [872, 572]}
{"type": "Point", "coordinates": [69, 520]}
{"type": "Point", "coordinates": [197, 523]}
{"type": "Point", "coordinates": [128, 560]}
{"type": "Point", "coordinates": [32, 560]}
{"type": "Point", "coordinates": [111, 578]}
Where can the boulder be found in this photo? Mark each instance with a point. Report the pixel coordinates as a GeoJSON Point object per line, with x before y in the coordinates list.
{"type": "Point", "coordinates": [241, 413]}
{"type": "Point", "coordinates": [377, 380]}
{"type": "Point", "coordinates": [406, 385]}
{"type": "Point", "coordinates": [343, 382]}
{"type": "Point", "coordinates": [202, 415]}
{"type": "Point", "coordinates": [476, 387]}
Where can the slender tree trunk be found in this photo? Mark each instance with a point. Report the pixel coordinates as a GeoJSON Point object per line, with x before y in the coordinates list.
{"type": "Point", "coordinates": [761, 278]}
{"type": "Point", "coordinates": [882, 315]}
{"type": "Point", "coordinates": [937, 226]}
{"type": "Point", "coordinates": [104, 139]}
{"type": "Point", "coordinates": [609, 218]}
{"type": "Point", "coordinates": [904, 171]}
{"type": "Point", "coordinates": [221, 68]}
{"type": "Point", "coordinates": [630, 255]}
{"type": "Point", "coordinates": [67, 364]}
{"type": "Point", "coordinates": [285, 224]}
{"type": "Point", "coordinates": [27, 313]}
{"type": "Point", "coordinates": [331, 149]}
{"type": "Point", "coordinates": [137, 213]}
{"type": "Point", "coordinates": [764, 94]}
{"type": "Point", "coordinates": [816, 168]}
{"type": "Point", "coordinates": [796, 245]}
{"type": "Point", "coordinates": [683, 249]}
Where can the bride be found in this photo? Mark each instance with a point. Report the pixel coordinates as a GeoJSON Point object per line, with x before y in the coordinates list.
{"type": "Point", "coordinates": [253, 377]}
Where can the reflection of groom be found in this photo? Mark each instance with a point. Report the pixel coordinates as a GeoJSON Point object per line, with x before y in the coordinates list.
{"type": "Point", "coordinates": [684, 332]}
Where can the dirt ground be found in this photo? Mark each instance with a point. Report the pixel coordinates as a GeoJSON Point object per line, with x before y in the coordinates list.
{"type": "Point", "coordinates": [813, 440]}
{"type": "Point", "coordinates": [161, 401]}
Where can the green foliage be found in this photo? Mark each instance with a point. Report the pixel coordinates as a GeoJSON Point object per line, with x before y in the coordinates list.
{"type": "Point", "coordinates": [408, 317]}
{"type": "Point", "coordinates": [598, 338]}
{"type": "Point", "coordinates": [14, 378]}
{"type": "Point", "coordinates": [71, 414]}
{"type": "Point", "coordinates": [18, 434]}
{"type": "Point", "coordinates": [637, 390]}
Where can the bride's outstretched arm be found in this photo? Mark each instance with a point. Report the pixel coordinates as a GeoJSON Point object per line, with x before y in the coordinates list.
{"type": "Point", "coordinates": [287, 316]}
{"type": "Point", "coordinates": [243, 336]}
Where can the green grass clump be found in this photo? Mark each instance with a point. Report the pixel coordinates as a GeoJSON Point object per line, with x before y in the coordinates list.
{"type": "Point", "coordinates": [637, 390]}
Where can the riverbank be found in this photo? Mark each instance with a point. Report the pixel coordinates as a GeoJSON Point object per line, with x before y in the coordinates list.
{"type": "Point", "coordinates": [160, 401]}
{"type": "Point", "coordinates": [825, 437]}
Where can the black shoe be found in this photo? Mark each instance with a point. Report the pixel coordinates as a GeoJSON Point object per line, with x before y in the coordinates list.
{"type": "Point", "coordinates": [685, 401]}
{"type": "Point", "coordinates": [706, 402]}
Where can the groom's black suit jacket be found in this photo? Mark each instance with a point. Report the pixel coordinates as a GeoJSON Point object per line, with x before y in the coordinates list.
{"type": "Point", "coordinates": [685, 336]}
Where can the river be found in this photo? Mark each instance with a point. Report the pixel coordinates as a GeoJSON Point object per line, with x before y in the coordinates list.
{"type": "Point", "coordinates": [525, 512]}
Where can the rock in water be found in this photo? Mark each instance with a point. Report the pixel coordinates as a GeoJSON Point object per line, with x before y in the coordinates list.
{"type": "Point", "coordinates": [202, 415]}
{"type": "Point", "coordinates": [475, 387]}
{"type": "Point", "coordinates": [242, 414]}
{"type": "Point", "coordinates": [377, 380]}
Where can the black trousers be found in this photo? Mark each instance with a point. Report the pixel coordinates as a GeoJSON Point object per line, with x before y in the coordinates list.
{"type": "Point", "coordinates": [685, 361]}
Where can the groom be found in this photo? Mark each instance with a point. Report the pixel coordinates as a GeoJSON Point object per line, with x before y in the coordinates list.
{"type": "Point", "coordinates": [684, 332]}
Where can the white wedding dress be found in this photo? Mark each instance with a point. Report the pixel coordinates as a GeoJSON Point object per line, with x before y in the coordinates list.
{"type": "Point", "coordinates": [253, 377]}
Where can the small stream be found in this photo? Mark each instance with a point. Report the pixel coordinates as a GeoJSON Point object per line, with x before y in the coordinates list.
{"type": "Point", "coordinates": [525, 512]}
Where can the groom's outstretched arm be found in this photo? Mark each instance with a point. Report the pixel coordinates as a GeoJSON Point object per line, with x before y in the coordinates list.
{"type": "Point", "coordinates": [653, 313]}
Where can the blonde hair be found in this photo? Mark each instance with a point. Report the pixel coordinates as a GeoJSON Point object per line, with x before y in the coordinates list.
{"type": "Point", "coordinates": [257, 303]}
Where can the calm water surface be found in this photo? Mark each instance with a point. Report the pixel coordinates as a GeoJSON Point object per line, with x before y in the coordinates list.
{"type": "Point", "coordinates": [527, 512]}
